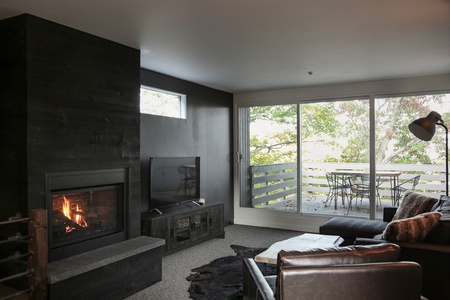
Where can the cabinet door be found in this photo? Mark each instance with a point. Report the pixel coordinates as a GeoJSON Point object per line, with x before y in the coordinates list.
{"type": "Point", "coordinates": [200, 227]}
{"type": "Point", "coordinates": [181, 230]}
{"type": "Point", "coordinates": [216, 220]}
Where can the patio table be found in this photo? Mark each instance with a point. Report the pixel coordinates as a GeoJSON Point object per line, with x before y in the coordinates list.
{"type": "Point", "coordinates": [392, 176]}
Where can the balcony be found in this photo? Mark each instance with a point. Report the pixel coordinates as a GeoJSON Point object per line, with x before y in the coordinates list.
{"type": "Point", "coordinates": [274, 187]}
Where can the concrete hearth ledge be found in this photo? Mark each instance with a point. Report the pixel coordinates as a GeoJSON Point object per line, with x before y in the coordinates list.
{"type": "Point", "coordinates": [75, 265]}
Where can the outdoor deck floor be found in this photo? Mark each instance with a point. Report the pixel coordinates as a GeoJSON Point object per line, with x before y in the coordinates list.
{"type": "Point", "coordinates": [316, 205]}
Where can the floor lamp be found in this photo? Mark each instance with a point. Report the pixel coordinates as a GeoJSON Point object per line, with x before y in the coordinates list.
{"type": "Point", "coordinates": [424, 129]}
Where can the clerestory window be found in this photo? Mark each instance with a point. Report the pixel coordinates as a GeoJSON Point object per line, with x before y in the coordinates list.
{"type": "Point", "coordinates": [162, 103]}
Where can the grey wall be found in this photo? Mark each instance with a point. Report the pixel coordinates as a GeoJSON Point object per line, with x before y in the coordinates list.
{"type": "Point", "coordinates": [206, 132]}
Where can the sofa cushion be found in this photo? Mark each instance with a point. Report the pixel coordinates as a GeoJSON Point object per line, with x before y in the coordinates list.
{"type": "Point", "coordinates": [349, 228]}
{"type": "Point", "coordinates": [413, 229]}
{"type": "Point", "coordinates": [383, 252]}
{"type": "Point", "coordinates": [414, 204]}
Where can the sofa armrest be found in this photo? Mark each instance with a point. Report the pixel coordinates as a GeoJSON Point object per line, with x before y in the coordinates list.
{"type": "Point", "coordinates": [445, 249]}
{"type": "Point", "coordinates": [369, 241]}
{"type": "Point", "coordinates": [432, 248]}
{"type": "Point", "coordinates": [388, 213]}
{"type": "Point", "coordinates": [255, 285]}
{"type": "Point", "coordinates": [435, 262]}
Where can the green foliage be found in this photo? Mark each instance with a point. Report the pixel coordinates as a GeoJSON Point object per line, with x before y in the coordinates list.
{"type": "Point", "coordinates": [393, 117]}
{"type": "Point", "coordinates": [343, 127]}
{"type": "Point", "coordinates": [281, 114]}
{"type": "Point", "coordinates": [318, 119]}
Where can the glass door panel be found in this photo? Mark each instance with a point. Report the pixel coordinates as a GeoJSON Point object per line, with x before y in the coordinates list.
{"type": "Point", "coordinates": [268, 174]}
{"type": "Point", "coordinates": [420, 164]}
{"type": "Point", "coordinates": [335, 140]}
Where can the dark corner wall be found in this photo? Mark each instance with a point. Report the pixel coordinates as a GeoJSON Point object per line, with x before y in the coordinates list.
{"type": "Point", "coordinates": [206, 132]}
{"type": "Point", "coordinates": [70, 102]}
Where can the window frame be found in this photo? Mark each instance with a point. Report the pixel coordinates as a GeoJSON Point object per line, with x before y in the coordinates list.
{"type": "Point", "coordinates": [244, 101]}
{"type": "Point", "coordinates": [182, 113]}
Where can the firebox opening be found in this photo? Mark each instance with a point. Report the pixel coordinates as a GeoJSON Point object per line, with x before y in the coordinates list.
{"type": "Point", "coordinates": [87, 210]}
{"type": "Point", "coordinates": [85, 213]}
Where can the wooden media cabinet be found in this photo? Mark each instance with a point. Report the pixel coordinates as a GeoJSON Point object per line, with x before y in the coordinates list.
{"type": "Point", "coordinates": [184, 225]}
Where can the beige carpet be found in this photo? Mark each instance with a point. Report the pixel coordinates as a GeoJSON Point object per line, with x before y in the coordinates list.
{"type": "Point", "coordinates": [176, 267]}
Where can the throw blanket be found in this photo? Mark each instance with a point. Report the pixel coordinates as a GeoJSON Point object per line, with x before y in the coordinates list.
{"type": "Point", "coordinates": [415, 229]}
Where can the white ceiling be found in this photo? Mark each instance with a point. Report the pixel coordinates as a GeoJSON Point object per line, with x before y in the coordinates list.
{"type": "Point", "coordinates": [250, 45]}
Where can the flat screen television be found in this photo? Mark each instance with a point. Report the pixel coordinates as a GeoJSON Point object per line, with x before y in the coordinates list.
{"type": "Point", "coordinates": [173, 180]}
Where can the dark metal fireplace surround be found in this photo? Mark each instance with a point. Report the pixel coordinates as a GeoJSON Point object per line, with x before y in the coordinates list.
{"type": "Point", "coordinates": [86, 209]}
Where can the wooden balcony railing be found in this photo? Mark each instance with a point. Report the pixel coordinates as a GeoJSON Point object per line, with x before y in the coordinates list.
{"type": "Point", "coordinates": [279, 181]}
{"type": "Point", "coordinates": [273, 182]}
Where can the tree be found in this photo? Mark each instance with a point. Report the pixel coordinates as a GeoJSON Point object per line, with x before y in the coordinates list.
{"type": "Point", "coordinates": [281, 146]}
{"type": "Point", "coordinates": [394, 142]}
{"type": "Point", "coordinates": [343, 127]}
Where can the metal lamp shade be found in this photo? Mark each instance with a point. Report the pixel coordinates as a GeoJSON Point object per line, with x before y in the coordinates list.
{"type": "Point", "coordinates": [424, 128]}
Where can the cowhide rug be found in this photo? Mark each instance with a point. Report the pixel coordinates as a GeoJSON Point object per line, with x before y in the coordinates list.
{"type": "Point", "coordinates": [222, 278]}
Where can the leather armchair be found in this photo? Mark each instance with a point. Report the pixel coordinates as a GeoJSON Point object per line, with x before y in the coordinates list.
{"type": "Point", "coordinates": [353, 272]}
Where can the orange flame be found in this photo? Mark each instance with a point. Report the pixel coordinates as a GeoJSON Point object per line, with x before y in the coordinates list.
{"type": "Point", "coordinates": [66, 209]}
{"type": "Point", "coordinates": [77, 218]}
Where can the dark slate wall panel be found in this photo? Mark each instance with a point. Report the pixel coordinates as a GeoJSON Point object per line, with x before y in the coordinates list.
{"type": "Point", "coordinates": [207, 132]}
{"type": "Point", "coordinates": [82, 107]}
{"type": "Point", "coordinates": [13, 119]}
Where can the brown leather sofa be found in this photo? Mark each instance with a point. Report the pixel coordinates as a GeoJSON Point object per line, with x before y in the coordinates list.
{"type": "Point", "coordinates": [433, 254]}
{"type": "Point", "coordinates": [435, 262]}
{"type": "Point", "coordinates": [351, 228]}
{"type": "Point", "coordinates": [353, 272]}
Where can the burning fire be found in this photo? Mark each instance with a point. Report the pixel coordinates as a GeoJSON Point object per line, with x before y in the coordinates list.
{"type": "Point", "coordinates": [74, 216]}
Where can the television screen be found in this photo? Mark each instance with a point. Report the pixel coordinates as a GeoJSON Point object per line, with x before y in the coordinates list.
{"type": "Point", "coordinates": [173, 180]}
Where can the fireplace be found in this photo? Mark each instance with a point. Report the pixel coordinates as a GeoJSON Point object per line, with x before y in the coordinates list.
{"type": "Point", "coordinates": [86, 210]}
{"type": "Point", "coordinates": [85, 213]}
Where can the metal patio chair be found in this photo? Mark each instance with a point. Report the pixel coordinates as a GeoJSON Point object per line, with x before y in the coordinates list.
{"type": "Point", "coordinates": [406, 185]}
{"type": "Point", "coordinates": [337, 186]}
{"type": "Point", "coordinates": [360, 188]}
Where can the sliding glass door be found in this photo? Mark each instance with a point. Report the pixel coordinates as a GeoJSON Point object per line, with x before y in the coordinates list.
{"type": "Point", "coordinates": [283, 147]}
{"type": "Point", "coordinates": [315, 157]}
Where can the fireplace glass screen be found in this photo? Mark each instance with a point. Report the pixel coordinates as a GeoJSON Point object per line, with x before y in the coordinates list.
{"type": "Point", "coordinates": [81, 214]}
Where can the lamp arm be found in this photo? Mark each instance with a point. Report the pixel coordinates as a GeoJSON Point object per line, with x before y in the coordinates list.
{"type": "Point", "coordinates": [440, 122]}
